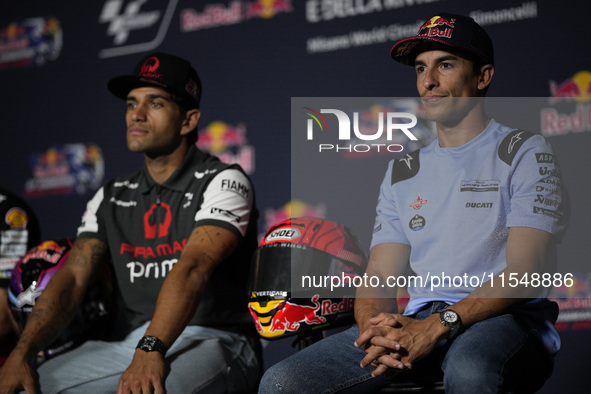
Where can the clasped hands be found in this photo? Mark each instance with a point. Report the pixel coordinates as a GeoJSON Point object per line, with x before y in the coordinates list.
{"type": "Point", "coordinates": [396, 341]}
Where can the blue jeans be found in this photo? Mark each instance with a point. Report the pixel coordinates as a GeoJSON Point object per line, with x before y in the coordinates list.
{"type": "Point", "coordinates": [201, 360]}
{"type": "Point", "coordinates": [493, 356]}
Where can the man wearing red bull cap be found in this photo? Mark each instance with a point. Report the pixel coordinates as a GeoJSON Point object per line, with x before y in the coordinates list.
{"type": "Point", "coordinates": [488, 213]}
{"type": "Point", "coordinates": [180, 233]}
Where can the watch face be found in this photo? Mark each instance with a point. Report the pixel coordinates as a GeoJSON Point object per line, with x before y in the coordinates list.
{"type": "Point", "coordinates": [450, 316]}
{"type": "Point", "coordinates": [149, 344]}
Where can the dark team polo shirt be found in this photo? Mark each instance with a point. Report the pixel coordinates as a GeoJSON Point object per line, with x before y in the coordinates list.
{"type": "Point", "coordinates": [146, 226]}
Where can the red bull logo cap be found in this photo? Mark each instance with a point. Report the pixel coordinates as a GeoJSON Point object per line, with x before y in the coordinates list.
{"type": "Point", "coordinates": [162, 70]}
{"type": "Point", "coordinates": [456, 31]}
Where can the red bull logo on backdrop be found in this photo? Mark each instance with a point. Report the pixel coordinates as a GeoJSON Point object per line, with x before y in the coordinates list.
{"type": "Point", "coordinates": [293, 209]}
{"type": "Point", "coordinates": [228, 143]}
{"type": "Point", "coordinates": [577, 87]}
{"type": "Point", "coordinates": [67, 169]}
{"type": "Point", "coordinates": [571, 111]}
{"type": "Point", "coordinates": [218, 14]}
{"type": "Point", "coordinates": [31, 42]}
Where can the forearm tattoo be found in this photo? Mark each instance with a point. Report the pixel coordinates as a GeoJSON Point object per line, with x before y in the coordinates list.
{"type": "Point", "coordinates": [51, 314]}
{"type": "Point", "coordinates": [215, 246]}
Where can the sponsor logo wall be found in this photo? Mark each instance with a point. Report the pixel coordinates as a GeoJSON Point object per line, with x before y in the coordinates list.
{"type": "Point", "coordinates": [63, 134]}
{"type": "Point", "coordinates": [30, 42]}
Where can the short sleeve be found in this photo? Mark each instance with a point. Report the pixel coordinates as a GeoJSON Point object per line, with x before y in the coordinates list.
{"type": "Point", "coordinates": [387, 227]}
{"type": "Point", "coordinates": [227, 202]}
{"type": "Point", "coordinates": [538, 194]}
{"type": "Point", "coordinates": [91, 220]}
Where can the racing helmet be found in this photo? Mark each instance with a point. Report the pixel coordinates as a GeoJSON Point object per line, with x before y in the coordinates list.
{"type": "Point", "coordinates": [296, 248]}
{"type": "Point", "coordinates": [30, 277]}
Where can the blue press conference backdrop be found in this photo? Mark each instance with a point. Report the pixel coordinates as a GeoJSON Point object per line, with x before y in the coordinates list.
{"type": "Point", "coordinates": [63, 134]}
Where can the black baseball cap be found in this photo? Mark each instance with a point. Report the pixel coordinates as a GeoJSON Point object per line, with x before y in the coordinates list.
{"type": "Point", "coordinates": [452, 30]}
{"type": "Point", "coordinates": [161, 70]}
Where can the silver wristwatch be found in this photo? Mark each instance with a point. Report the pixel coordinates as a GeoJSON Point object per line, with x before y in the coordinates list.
{"type": "Point", "coordinates": [450, 319]}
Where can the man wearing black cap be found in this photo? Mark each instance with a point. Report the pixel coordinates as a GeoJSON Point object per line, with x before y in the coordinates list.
{"type": "Point", "coordinates": [486, 212]}
{"type": "Point", "coordinates": [180, 233]}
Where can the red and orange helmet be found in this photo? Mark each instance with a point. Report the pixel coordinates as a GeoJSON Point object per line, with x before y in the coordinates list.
{"type": "Point", "coordinates": [289, 292]}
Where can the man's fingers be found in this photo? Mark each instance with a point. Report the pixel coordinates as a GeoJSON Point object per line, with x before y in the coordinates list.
{"type": "Point", "coordinates": [380, 370]}
{"type": "Point", "coordinates": [384, 319]}
{"type": "Point", "coordinates": [385, 343]}
{"type": "Point", "coordinates": [120, 387]}
{"type": "Point", "coordinates": [364, 337]}
{"type": "Point", "coordinates": [147, 388]}
{"type": "Point", "coordinates": [375, 331]}
{"type": "Point", "coordinates": [388, 362]}
{"type": "Point", "coordinates": [379, 318]}
{"type": "Point", "coordinates": [372, 354]}
{"type": "Point", "coordinates": [30, 387]}
{"type": "Point", "coordinates": [159, 388]}
{"type": "Point", "coordinates": [391, 361]}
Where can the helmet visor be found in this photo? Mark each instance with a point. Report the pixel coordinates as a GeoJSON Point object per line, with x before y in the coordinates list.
{"type": "Point", "coordinates": [283, 269]}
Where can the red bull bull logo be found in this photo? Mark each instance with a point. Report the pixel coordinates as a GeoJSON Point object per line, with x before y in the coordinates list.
{"type": "Point", "coordinates": [437, 27]}
{"type": "Point", "coordinates": [51, 163]}
{"type": "Point", "coordinates": [293, 209]}
{"type": "Point", "coordinates": [65, 169]}
{"type": "Point", "coordinates": [218, 136]}
{"type": "Point", "coordinates": [289, 317]}
{"type": "Point", "coordinates": [49, 251]}
{"type": "Point", "coordinates": [220, 14]}
{"type": "Point", "coordinates": [438, 21]}
{"type": "Point", "coordinates": [566, 118]}
{"type": "Point", "coordinates": [228, 143]}
{"type": "Point", "coordinates": [50, 245]}
{"type": "Point", "coordinates": [578, 87]}
{"type": "Point", "coordinates": [31, 42]}
{"type": "Point", "coordinates": [281, 316]}
{"type": "Point", "coordinates": [267, 8]}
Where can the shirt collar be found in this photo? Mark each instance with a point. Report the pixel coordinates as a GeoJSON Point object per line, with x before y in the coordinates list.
{"type": "Point", "coordinates": [180, 177]}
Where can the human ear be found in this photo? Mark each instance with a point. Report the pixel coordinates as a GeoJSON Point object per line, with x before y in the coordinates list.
{"type": "Point", "coordinates": [190, 121]}
{"type": "Point", "coordinates": [486, 74]}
